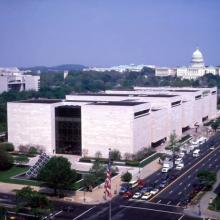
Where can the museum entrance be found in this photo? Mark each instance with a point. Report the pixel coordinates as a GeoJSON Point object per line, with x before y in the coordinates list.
{"type": "Point", "coordinates": [68, 130]}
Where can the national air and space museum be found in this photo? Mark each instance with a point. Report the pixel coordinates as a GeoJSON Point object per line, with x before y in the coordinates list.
{"type": "Point", "coordinates": [124, 120]}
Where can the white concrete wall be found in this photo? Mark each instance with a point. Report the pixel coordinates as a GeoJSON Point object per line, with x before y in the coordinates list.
{"type": "Point", "coordinates": [105, 127]}
{"type": "Point", "coordinates": [32, 82]}
{"type": "Point", "coordinates": [3, 84]}
{"type": "Point", "coordinates": [142, 132]}
{"type": "Point", "coordinates": [159, 125]}
{"type": "Point", "coordinates": [30, 123]}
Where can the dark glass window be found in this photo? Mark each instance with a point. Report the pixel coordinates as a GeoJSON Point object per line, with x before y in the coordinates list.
{"type": "Point", "coordinates": [68, 130]}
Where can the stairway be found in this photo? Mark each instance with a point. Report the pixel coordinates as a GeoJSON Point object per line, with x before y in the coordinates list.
{"type": "Point", "coordinates": [34, 170]}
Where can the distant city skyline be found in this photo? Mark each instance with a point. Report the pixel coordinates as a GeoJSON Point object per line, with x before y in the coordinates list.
{"type": "Point", "coordinates": [108, 33]}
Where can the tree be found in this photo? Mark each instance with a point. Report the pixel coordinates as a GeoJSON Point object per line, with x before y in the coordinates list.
{"type": "Point", "coordinates": [6, 160]}
{"type": "Point", "coordinates": [173, 141]}
{"type": "Point", "coordinates": [98, 169]}
{"type": "Point", "coordinates": [126, 177]}
{"type": "Point", "coordinates": [21, 160]}
{"type": "Point", "coordinates": [98, 154]}
{"type": "Point", "coordinates": [115, 155]}
{"type": "Point", "coordinates": [127, 156]}
{"type": "Point", "coordinates": [32, 151]}
{"type": "Point", "coordinates": [57, 174]}
{"type": "Point", "coordinates": [27, 197]}
{"type": "Point", "coordinates": [7, 146]}
{"type": "Point", "coordinates": [206, 178]}
{"type": "Point", "coordinates": [215, 125]}
{"type": "Point", "coordinates": [89, 181]}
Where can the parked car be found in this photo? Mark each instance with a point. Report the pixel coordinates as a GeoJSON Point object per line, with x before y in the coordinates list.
{"type": "Point", "coordinates": [181, 154]}
{"type": "Point", "coordinates": [212, 147]}
{"type": "Point", "coordinates": [146, 189]}
{"type": "Point", "coordinates": [178, 160]}
{"type": "Point", "coordinates": [163, 184]}
{"type": "Point", "coordinates": [123, 189]}
{"type": "Point", "coordinates": [154, 191]}
{"type": "Point", "coordinates": [140, 183]}
{"type": "Point", "coordinates": [146, 196]}
{"type": "Point", "coordinates": [137, 195]}
{"type": "Point", "coordinates": [128, 195]}
{"type": "Point", "coordinates": [180, 166]}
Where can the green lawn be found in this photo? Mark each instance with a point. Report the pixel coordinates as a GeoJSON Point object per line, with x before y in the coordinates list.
{"type": "Point", "coordinates": [5, 176]}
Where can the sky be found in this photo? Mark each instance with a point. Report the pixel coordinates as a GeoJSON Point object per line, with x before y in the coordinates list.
{"type": "Point", "coordinates": [108, 32]}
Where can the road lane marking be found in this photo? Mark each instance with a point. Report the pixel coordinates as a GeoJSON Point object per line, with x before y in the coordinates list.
{"type": "Point", "coordinates": [178, 204]}
{"type": "Point", "coordinates": [84, 213]}
{"type": "Point", "coordinates": [161, 204]}
{"type": "Point", "coordinates": [180, 217]}
{"type": "Point", "coordinates": [187, 171]}
{"type": "Point", "coordinates": [155, 210]}
{"type": "Point", "coordinates": [159, 201]}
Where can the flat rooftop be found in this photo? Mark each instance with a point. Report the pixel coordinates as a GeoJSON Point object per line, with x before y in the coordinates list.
{"type": "Point", "coordinates": [117, 103]}
{"type": "Point", "coordinates": [41, 101]}
{"type": "Point", "coordinates": [126, 95]}
{"type": "Point", "coordinates": [182, 90]}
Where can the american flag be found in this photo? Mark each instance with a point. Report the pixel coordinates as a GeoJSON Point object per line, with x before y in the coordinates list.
{"type": "Point", "coordinates": [108, 181]}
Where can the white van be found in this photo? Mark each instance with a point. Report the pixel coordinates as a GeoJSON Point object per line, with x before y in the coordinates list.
{"type": "Point", "coordinates": [178, 160]}
{"type": "Point", "coordinates": [196, 153]}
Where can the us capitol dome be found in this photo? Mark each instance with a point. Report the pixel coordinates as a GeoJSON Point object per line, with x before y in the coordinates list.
{"type": "Point", "coordinates": [197, 59]}
{"type": "Point", "coordinates": [196, 68]}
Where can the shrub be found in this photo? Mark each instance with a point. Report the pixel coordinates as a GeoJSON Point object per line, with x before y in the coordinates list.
{"type": "Point", "coordinates": [32, 151]}
{"type": "Point", "coordinates": [115, 155]}
{"type": "Point", "coordinates": [84, 159]}
{"type": "Point", "coordinates": [126, 177]}
{"type": "Point", "coordinates": [7, 146]}
{"type": "Point", "coordinates": [143, 153]}
{"type": "Point", "coordinates": [23, 149]}
{"type": "Point", "coordinates": [133, 163]}
{"type": "Point", "coordinates": [6, 160]}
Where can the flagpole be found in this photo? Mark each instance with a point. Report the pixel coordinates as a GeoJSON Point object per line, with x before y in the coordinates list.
{"type": "Point", "coordinates": [110, 204]}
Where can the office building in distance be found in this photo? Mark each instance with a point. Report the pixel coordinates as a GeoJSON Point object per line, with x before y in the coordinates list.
{"type": "Point", "coordinates": [12, 79]}
{"type": "Point", "coordinates": [128, 121]}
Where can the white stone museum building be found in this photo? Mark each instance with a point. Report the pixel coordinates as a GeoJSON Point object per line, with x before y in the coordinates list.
{"type": "Point", "coordinates": [124, 120]}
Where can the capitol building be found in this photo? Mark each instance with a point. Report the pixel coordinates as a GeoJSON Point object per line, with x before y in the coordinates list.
{"type": "Point", "coordinates": [196, 68]}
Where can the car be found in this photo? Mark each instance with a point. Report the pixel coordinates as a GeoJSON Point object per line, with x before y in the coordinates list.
{"type": "Point", "coordinates": [178, 160]}
{"type": "Point", "coordinates": [154, 191]}
{"type": "Point", "coordinates": [137, 195]}
{"type": "Point", "coordinates": [212, 147]}
{"type": "Point", "coordinates": [146, 189]}
{"type": "Point", "coordinates": [180, 166]}
{"type": "Point", "coordinates": [165, 176]}
{"type": "Point", "coordinates": [140, 183]}
{"type": "Point", "coordinates": [181, 154]}
{"type": "Point", "coordinates": [123, 189]}
{"type": "Point", "coordinates": [146, 196]}
{"type": "Point", "coordinates": [128, 195]}
{"type": "Point", "coordinates": [163, 184]}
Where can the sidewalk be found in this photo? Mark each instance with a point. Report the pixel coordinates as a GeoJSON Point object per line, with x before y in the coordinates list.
{"type": "Point", "coordinates": [204, 203]}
